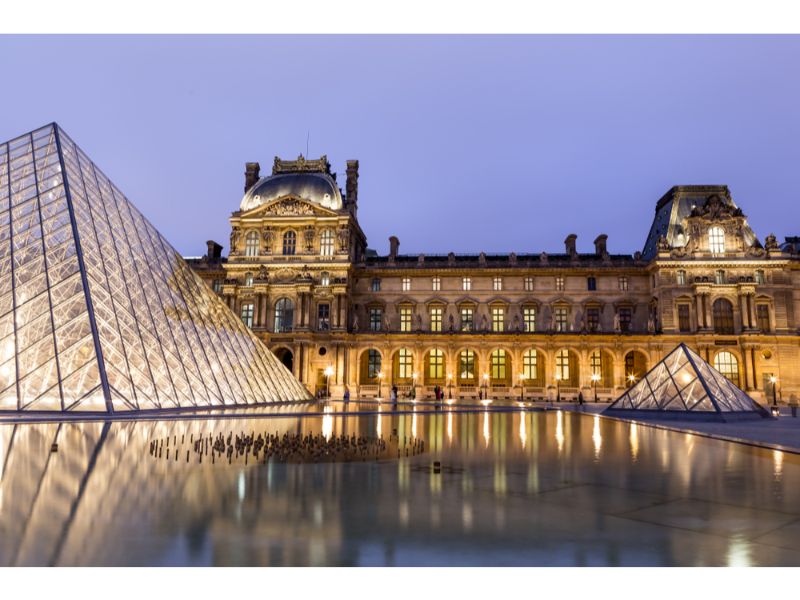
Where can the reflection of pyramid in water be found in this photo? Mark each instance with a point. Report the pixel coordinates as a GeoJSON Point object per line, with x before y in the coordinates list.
{"type": "Point", "coordinates": [684, 385]}
{"type": "Point", "coordinates": [97, 311]}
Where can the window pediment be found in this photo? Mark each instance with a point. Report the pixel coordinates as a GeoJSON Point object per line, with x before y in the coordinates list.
{"type": "Point", "coordinates": [289, 206]}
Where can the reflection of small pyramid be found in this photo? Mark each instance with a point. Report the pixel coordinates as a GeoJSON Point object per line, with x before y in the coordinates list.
{"type": "Point", "coordinates": [97, 311]}
{"type": "Point", "coordinates": [684, 386]}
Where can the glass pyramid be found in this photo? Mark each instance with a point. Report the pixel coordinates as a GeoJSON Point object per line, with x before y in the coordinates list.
{"type": "Point", "coordinates": [684, 383]}
{"type": "Point", "coordinates": [97, 311]}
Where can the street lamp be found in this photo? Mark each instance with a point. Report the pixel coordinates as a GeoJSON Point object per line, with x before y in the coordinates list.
{"type": "Point", "coordinates": [631, 378]}
{"type": "Point", "coordinates": [328, 373]}
{"type": "Point", "coordinates": [595, 379]}
{"type": "Point", "coordinates": [522, 387]}
{"type": "Point", "coordinates": [449, 386]}
{"type": "Point", "coordinates": [414, 387]}
{"type": "Point", "coordinates": [774, 380]}
{"type": "Point", "coordinates": [485, 386]}
{"type": "Point", "coordinates": [558, 386]}
{"type": "Point", "coordinates": [380, 380]}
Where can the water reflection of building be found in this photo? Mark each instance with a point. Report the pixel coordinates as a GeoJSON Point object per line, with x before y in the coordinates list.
{"type": "Point", "coordinates": [300, 274]}
{"type": "Point", "coordinates": [102, 499]}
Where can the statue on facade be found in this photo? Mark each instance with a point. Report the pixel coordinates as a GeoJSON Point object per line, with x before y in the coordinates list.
{"type": "Point", "coordinates": [451, 323]}
{"type": "Point", "coordinates": [234, 239]}
{"type": "Point", "coordinates": [662, 244]}
{"type": "Point", "coordinates": [515, 324]}
{"type": "Point", "coordinates": [263, 274]}
{"type": "Point", "coordinates": [269, 237]}
{"type": "Point", "coordinates": [344, 239]}
{"type": "Point", "coordinates": [651, 324]}
{"type": "Point", "coordinates": [419, 322]}
{"type": "Point", "coordinates": [617, 327]}
{"type": "Point", "coordinates": [355, 321]}
{"type": "Point", "coordinates": [771, 242]}
{"type": "Point", "coordinates": [386, 322]}
{"type": "Point", "coordinates": [484, 324]}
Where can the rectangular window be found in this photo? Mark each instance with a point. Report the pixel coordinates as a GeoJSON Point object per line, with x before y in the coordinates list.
{"type": "Point", "coordinates": [436, 284]}
{"type": "Point", "coordinates": [593, 319]}
{"type": "Point", "coordinates": [436, 318]}
{"type": "Point", "coordinates": [376, 285]}
{"type": "Point", "coordinates": [406, 284]}
{"type": "Point", "coordinates": [373, 364]}
{"type": "Point", "coordinates": [719, 277]}
{"type": "Point", "coordinates": [466, 365]}
{"type": "Point", "coordinates": [324, 317]}
{"type": "Point", "coordinates": [247, 314]}
{"type": "Point", "coordinates": [375, 319]}
{"type": "Point", "coordinates": [560, 283]}
{"type": "Point", "coordinates": [498, 317]}
{"type": "Point", "coordinates": [405, 364]}
{"type": "Point", "coordinates": [497, 284]}
{"type": "Point", "coordinates": [623, 284]}
{"type": "Point", "coordinates": [762, 317]}
{"type": "Point", "coordinates": [466, 284]}
{"type": "Point", "coordinates": [528, 282]}
{"type": "Point", "coordinates": [684, 320]}
{"type": "Point", "coordinates": [625, 315]}
{"type": "Point", "coordinates": [216, 285]}
{"type": "Point", "coordinates": [530, 365]}
{"type": "Point", "coordinates": [681, 277]}
{"type": "Point", "coordinates": [529, 318]}
{"type": "Point", "coordinates": [760, 277]}
{"type": "Point", "coordinates": [591, 284]}
{"type": "Point", "coordinates": [466, 319]}
{"type": "Point", "coordinates": [436, 364]}
{"type": "Point", "coordinates": [405, 318]}
{"type": "Point", "coordinates": [561, 318]}
{"type": "Point", "coordinates": [498, 362]}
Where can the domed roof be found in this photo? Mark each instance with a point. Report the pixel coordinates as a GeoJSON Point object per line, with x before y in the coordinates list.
{"type": "Point", "coordinates": [314, 187]}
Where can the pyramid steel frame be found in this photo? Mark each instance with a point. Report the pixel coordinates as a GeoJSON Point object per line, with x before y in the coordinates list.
{"type": "Point", "coordinates": [683, 385]}
{"type": "Point", "coordinates": [98, 313]}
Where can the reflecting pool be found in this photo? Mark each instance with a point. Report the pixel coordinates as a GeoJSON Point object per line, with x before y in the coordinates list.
{"type": "Point", "coordinates": [512, 488]}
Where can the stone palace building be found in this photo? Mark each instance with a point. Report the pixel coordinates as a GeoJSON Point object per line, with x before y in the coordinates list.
{"type": "Point", "coordinates": [532, 325]}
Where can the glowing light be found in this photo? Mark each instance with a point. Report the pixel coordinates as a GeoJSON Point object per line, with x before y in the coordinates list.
{"type": "Point", "coordinates": [414, 423]}
{"type": "Point", "coordinates": [327, 422]}
{"type": "Point", "coordinates": [486, 401]}
{"type": "Point", "coordinates": [486, 428]}
{"type": "Point", "coordinates": [632, 378]}
{"type": "Point", "coordinates": [596, 437]}
{"type": "Point", "coordinates": [595, 377]}
{"type": "Point", "coordinates": [686, 377]}
{"type": "Point", "coordinates": [773, 379]}
{"type": "Point", "coordinates": [328, 371]}
{"type": "Point", "coordinates": [634, 441]}
{"type": "Point", "coordinates": [378, 425]}
{"type": "Point", "coordinates": [523, 434]}
{"type": "Point", "coordinates": [241, 486]}
{"type": "Point", "coordinates": [777, 459]}
{"type": "Point", "coordinates": [450, 427]}
{"type": "Point", "coordinates": [560, 430]}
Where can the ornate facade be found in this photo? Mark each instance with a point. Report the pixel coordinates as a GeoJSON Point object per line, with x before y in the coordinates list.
{"type": "Point", "coordinates": [515, 325]}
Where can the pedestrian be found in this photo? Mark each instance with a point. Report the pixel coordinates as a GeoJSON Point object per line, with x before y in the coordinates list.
{"type": "Point", "coordinates": [347, 394]}
{"type": "Point", "coordinates": [580, 400]}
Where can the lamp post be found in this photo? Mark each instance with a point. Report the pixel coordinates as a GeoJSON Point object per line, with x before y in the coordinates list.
{"type": "Point", "coordinates": [414, 387]}
{"type": "Point", "coordinates": [774, 380]}
{"type": "Point", "coordinates": [522, 387]}
{"type": "Point", "coordinates": [380, 380]}
{"type": "Point", "coordinates": [485, 386]}
{"type": "Point", "coordinates": [328, 373]}
{"type": "Point", "coordinates": [449, 386]}
{"type": "Point", "coordinates": [558, 386]}
{"type": "Point", "coordinates": [595, 379]}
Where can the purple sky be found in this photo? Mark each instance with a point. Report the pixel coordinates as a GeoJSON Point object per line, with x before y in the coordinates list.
{"type": "Point", "coordinates": [493, 143]}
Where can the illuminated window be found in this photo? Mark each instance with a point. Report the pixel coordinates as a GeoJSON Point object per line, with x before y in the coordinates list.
{"type": "Point", "coordinates": [373, 363]}
{"type": "Point", "coordinates": [284, 315]}
{"type": "Point", "coordinates": [376, 285]}
{"type": "Point", "coordinates": [497, 284]}
{"type": "Point", "coordinates": [723, 316]}
{"type": "Point", "coordinates": [289, 243]}
{"type": "Point", "coordinates": [684, 319]}
{"type": "Point", "coordinates": [528, 282]}
{"type": "Point", "coordinates": [719, 276]}
{"type": "Point", "coordinates": [325, 278]}
{"type": "Point", "coordinates": [498, 319]}
{"type": "Point", "coordinates": [467, 316]}
{"type": "Point", "coordinates": [591, 284]}
{"type": "Point", "coordinates": [435, 364]}
{"type": "Point", "coordinates": [248, 279]}
{"type": "Point", "coordinates": [562, 365]}
{"type": "Point", "coordinates": [436, 318]}
{"type": "Point", "coordinates": [436, 284]}
{"type": "Point", "coordinates": [324, 317]}
{"type": "Point", "coordinates": [251, 244]}
{"type": "Point", "coordinates": [716, 240]}
{"type": "Point", "coordinates": [405, 318]}
{"type": "Point", "coordinates": [530, 364]}
{"type": "Point", "coordinates": [681, 277]}
{"type": "Point", "coordinates": [596, 364]}
{"type": "Point", "coordinates": [760, 277]}
{"type": "Point", "coordinates": [405, 364]}
{"type": "Point", "coordinates": [625, 316]}
{"type": "Point", "coordinates": [529, 318]}
{"type": "Point", "coordinates": [375, 319]}
{"type": "Point", "coordinates": [326, 243]}
{"type": "Point", "coordinates": [466, 365]}
{"type": "Point", "coordinates": [593, 319]}
{"type": "Point", "coordinates": [247, 314]}
{"type": "Point", "coordinates": [498, 364]}
{"type": "Point", "coordinates": [466, 284]}
{"type": "Point", "coordinates": [726, 363]}
{"type": "Point", "coordinates": [623, 284]}
{"type": "Point", "coordinates": [762, 317]}
{"type": "Point", "coordinates": [560, 283]}
{"type": "Point", "coordinates": [406, 284]}
{"type": "Point", "coordinates": [561, 318]}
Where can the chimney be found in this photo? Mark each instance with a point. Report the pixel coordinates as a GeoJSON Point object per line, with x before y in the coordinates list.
{"type": "Point", "coordinates": [214, 251]}
{"type": "Point", "coordinates": [600, 245]}
{"type": "Point", "coordinates": [569, 244]}
{"type": "Point", "coordinates": [251, 171]}
{"type": "Point", "coordinates": [351, 187]}
{"type": "Point", "coordinates": [394, 246]}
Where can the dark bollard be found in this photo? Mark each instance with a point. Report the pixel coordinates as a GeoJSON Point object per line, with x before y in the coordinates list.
{"type": "Point", "coordinates": [54, 447]}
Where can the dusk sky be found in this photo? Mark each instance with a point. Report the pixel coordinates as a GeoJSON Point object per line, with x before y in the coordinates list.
{"type": "Point", "coordinates": [465, 143]}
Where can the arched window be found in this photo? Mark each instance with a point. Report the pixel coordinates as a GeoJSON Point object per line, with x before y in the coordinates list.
{"type": "Point", "coordinates": [251, 244]}
{"type": "Point", "coordinates": [716, 239]}
{"type": "Point", "coordinates": [562, 365]}
{"type": "Point", "coordinates": [466, 365]}
{"type": "Point", "coordinates": [436, 364]}
{"type": "Point", "coordinates": [723, 316]}
{"type": "Point", "coordinates": [284, 315]}
{"type": "Point", "coordinates": [726, 363]}
{"type": "Point", "coordinates": [289, 243]}
{"type": "Point", "coordinates": [530, 365]}
{"type": "Point", "coordinates": [325, 278]}
{"type": "Point", "coordinates": [248, 279]}
{"type": "Point", "coordinates": [498, 364]}
{"type": "Point", "coordinates": [326, 243]}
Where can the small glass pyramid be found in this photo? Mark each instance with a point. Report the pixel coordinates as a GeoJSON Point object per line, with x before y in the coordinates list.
{"type": "Point", "coordinates": [97, 311]}
{"type": "Point", "coordinates": [683, 383]}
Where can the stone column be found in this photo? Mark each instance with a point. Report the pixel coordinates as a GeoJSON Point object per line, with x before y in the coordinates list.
{"type": "Point", "coordinates": [743, 309]}
{"type": "Point", "coordinates": [699, 310]}
{"type": "Point", "coordinates": [751, 302]}
{"type": "Point", "coordinates": [707, 312]}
